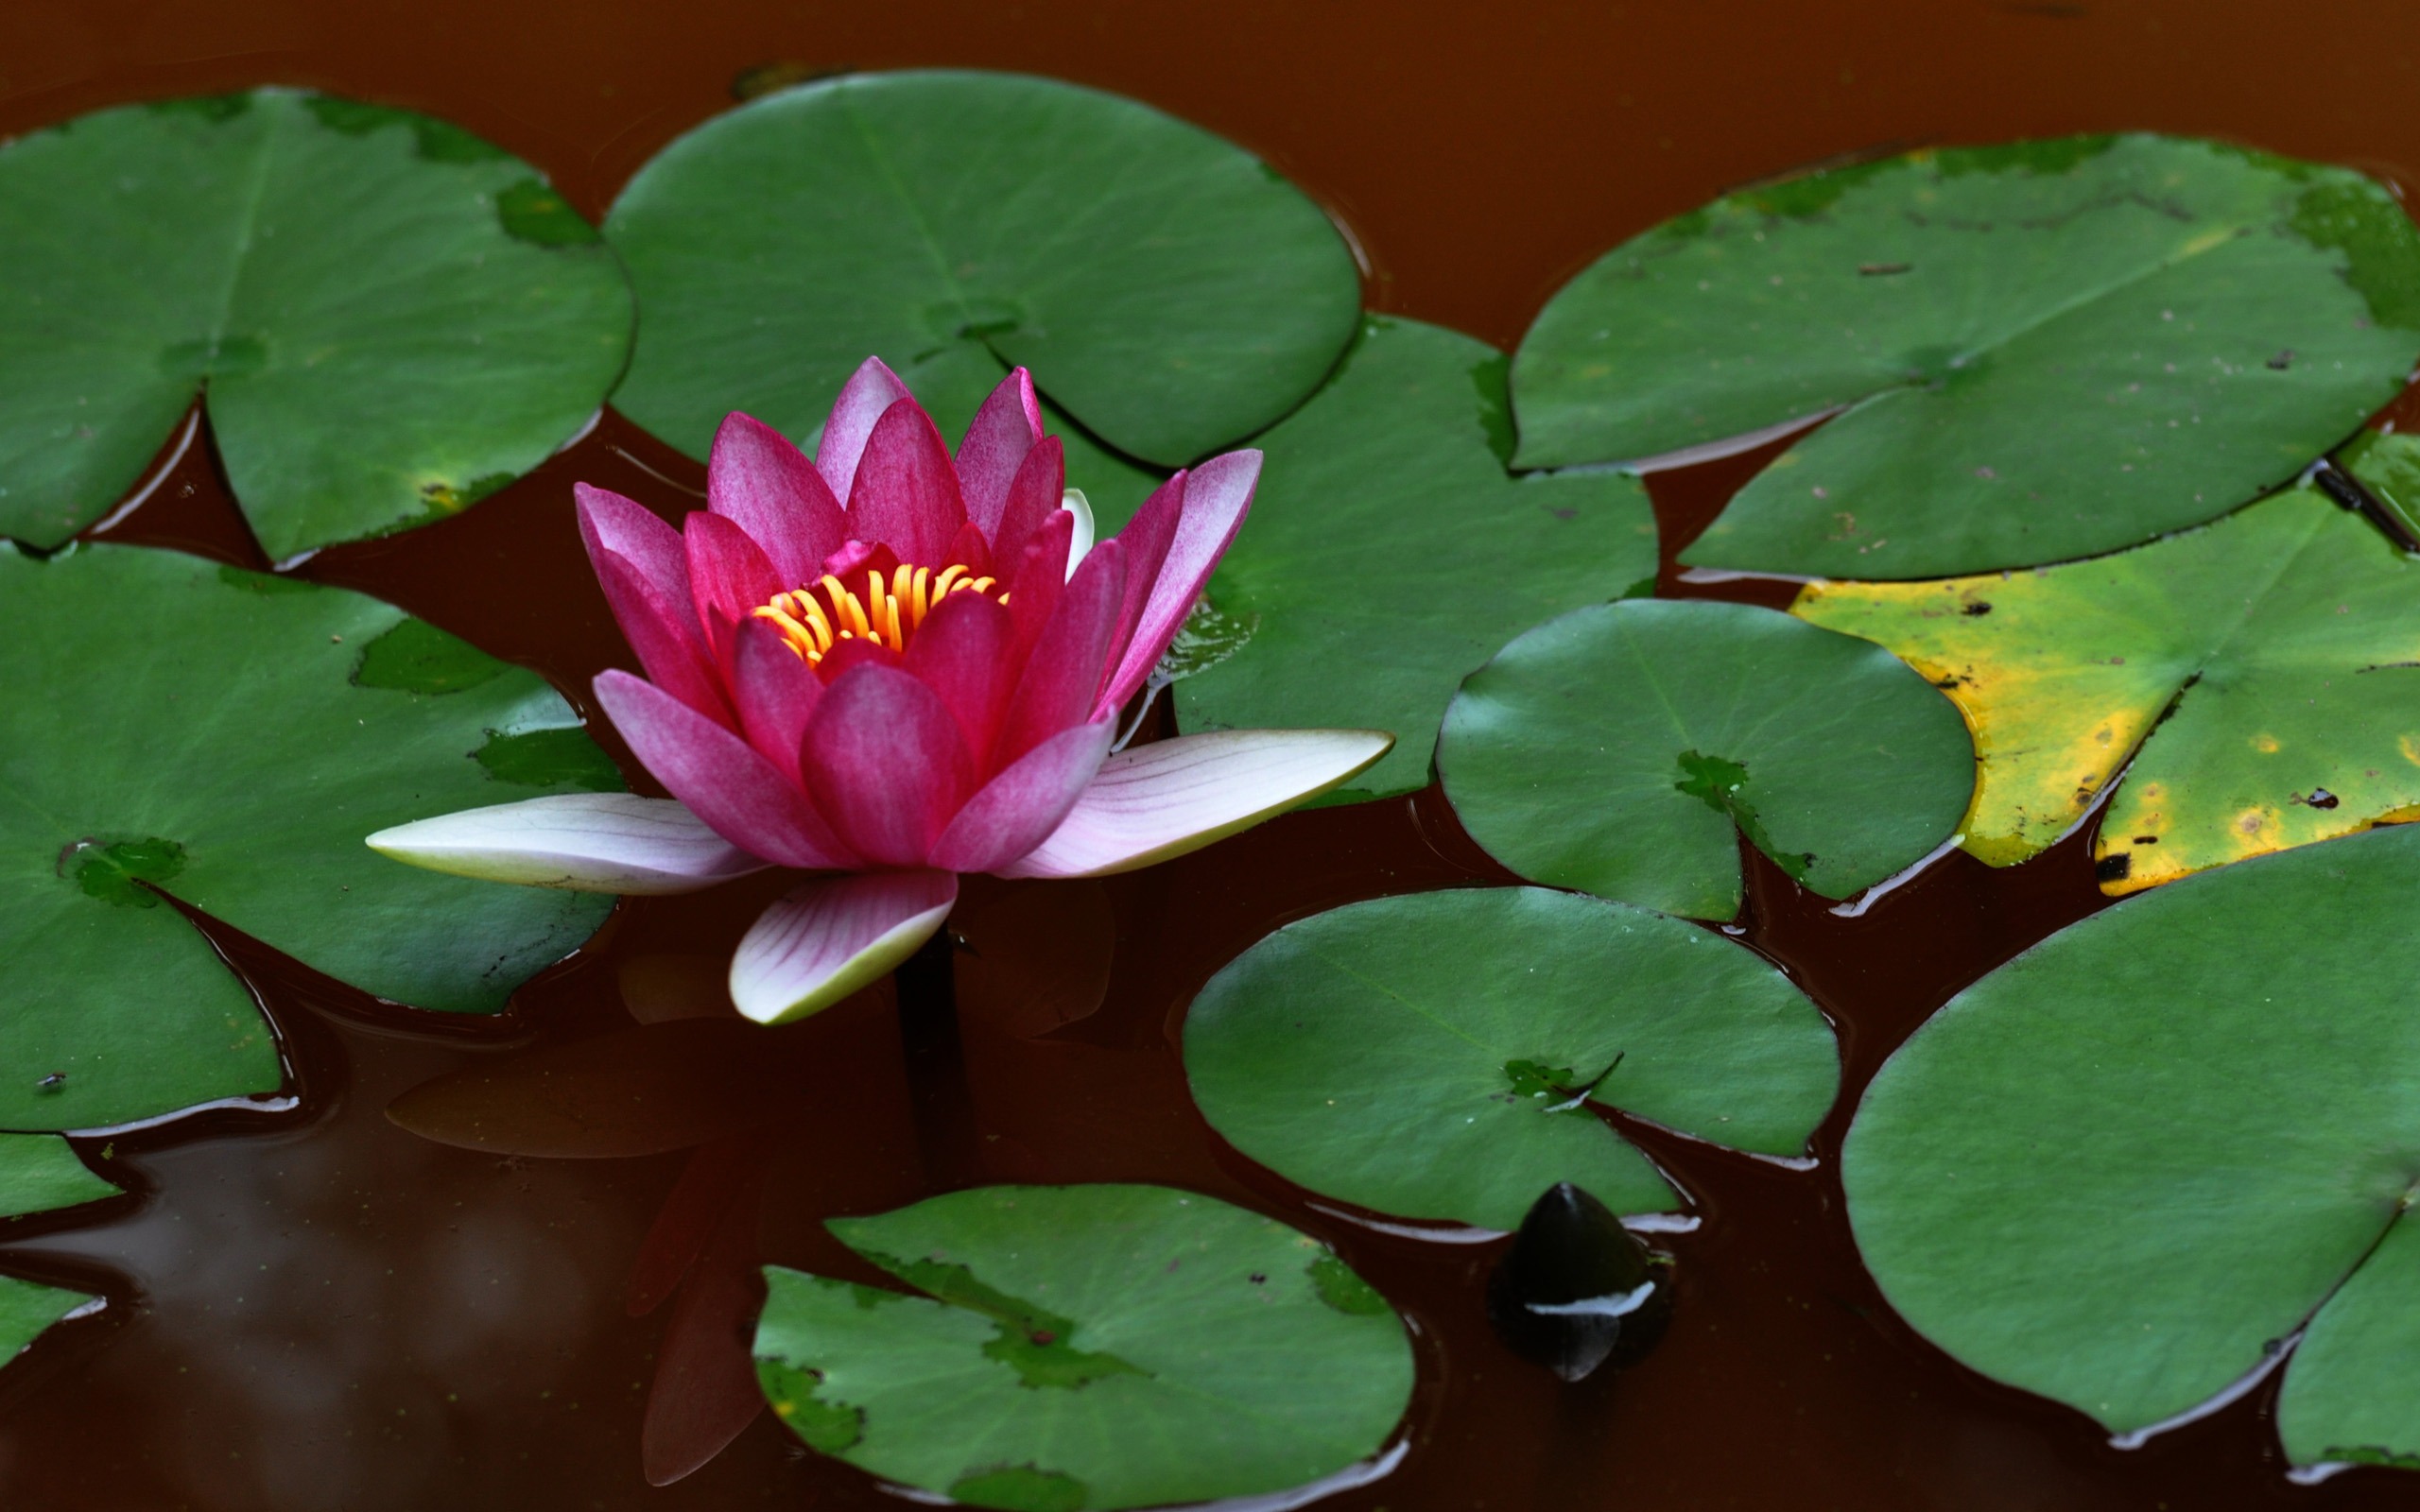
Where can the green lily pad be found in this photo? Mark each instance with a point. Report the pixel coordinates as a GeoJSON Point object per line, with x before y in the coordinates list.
{"type": "Point", "coordinates": [174, 727]}
{"type": "Point", "coordinates": [2038, 351]}
{"type": "Point", "coordinates": [389, 316]}
{"type": "Point", "coordinates": [27, 1308]}
{"type": "Point", "coordinates": [1614, 750]}
{"type": "Point", "coordinates": [2250, 685]}
{"type": "Point", "coordinates": [1166, 289]}
{"type": "Point", "coordinates": [1436, 1055]}
{"type": "Point", "coordinates": [2124, 1169]}
{"type": "Point", "coordinates": [1093, 1346]}
{"type": "Point", "coordinates": [37, 1173]}
{"type": "Point", "coordinates": [1386, 536]}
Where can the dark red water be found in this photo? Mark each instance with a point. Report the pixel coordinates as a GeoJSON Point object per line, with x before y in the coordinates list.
{"type": "Point", "coordinates": [321, 1309]}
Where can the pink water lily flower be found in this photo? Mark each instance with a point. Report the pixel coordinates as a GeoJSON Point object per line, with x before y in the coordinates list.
{"type": "Point", "coordinates": [892, 667]}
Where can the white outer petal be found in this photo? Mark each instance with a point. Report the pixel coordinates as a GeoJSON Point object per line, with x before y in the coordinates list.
{"type": "Point", "coordinates": [1074, 502]}
{"type": "Point", "coordinates": [832, 936]}
{"type": "Point", "coordinates": [1161, 800]}
{"type": "Point", "coordinates": [586, 842]}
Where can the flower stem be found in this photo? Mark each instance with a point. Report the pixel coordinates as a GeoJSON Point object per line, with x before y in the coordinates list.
{"type": "Point", "coordinates": [942, 1101]}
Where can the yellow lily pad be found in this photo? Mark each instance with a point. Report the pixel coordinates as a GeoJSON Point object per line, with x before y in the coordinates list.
{"type": "Point", "coordinates": [2249, 686]}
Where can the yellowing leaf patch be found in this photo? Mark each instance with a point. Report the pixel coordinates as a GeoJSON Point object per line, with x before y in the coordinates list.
{"type": "Point", "coordinates": [2252, 685]}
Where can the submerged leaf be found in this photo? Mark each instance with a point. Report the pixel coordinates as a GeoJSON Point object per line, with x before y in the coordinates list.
{"type": "Point", "coordinates": [2254, 682]}
{"type": "Point", "coordinates": [1167, 290]}
{"type": "Point", "coordinates": [166, 732]}
{"type": "Point", "coordinates": [1434, 1055]}
{"type": "Point", "coordinates": [1097, 1346]}
{"type": "Point", "coordinates": [357, 292]}
{"type": "Point", "coordinates": [2037, 351]}
{"type": "Point", "coordinates": [1386, 537]}
{"type": "Point", "coordinates": [1617, 748]}
{"type": "Point", "coordinates": [2123, 1170]}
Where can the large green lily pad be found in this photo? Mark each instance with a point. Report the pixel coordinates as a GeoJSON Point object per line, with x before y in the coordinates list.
{"type": "Point", "coordinates": [174, 727]}
{"type": "Point", "coordinates": [2121, 1169]}
{"type": "Point", "coordinates": [1093, 1346]}
{"type": "Point", "coordinates": [1166, 289]}
{"type": "Point", "coordinates": [39, 1172]}
{"type": "Point", "coordinates": [2038, 351]}
{"type": "Point", "coordinates": [1388, 553]}
{"type": "Point", "coordinates": [2250, 685]}
{"type": "Point", "coordinates": [1615, 748]}
{"type": "Point", "coordinates": [387, 316]}
{"type": "Point", "coordinates": [27, 1308]}
{"type": "Point", "coordinates": [1437, 1055]}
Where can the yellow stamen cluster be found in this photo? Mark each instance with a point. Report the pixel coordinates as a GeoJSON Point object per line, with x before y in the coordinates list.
{"type": "Point", "coordinates": [815, 619]}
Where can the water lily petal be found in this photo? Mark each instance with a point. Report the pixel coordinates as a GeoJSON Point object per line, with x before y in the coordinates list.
{"type": "Point", "coordinates": [1163, 800]}
{"type": "Point", "coordinates": [1061, 677]}
{"type": "Point", "coordinates": [1038, 574]}
{"type": "Point", "coordinates": [586, 842]}
{"type": "Point", "coordinates": [832, 937]}
{"type": "Point", "coordinates": [630, 530]}
{"type": "Point", "coordinates": [776, 692]}
{"type": "Point", "coordinates": [885, 760]}
{"type": "Point", "coordinates": [1020, 808]}
{"type": "Point", "coordinates": [1079, 510]}
{"type": "Point", "coordinates": [960, 652]}
{"type": "Point", "coordinates": [1033, 497]}
{"type": "Point", "coordinates": [729, 575]}
{"type": "Point", "coordinates": [969, 550]}
{"type": "Point", "coordinates": [871, 390]}
{"type": "Point", "coordinates": [1003, 431]}
{"type": "Point", "coordinates": [1145, 541]}
{"type": "Point", "coordinates": [721, 776]}
{"type": "Point", "coordinates": [1217, 494]}
{"type": "Point", "coordinates": [761, 483]}
{"type": "Point", "coordinates": [664, 631]}
{"type": "Point", "coordinates": [905, 494]}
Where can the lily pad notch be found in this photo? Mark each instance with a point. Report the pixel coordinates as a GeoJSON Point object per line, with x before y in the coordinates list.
{"type": "Point", "coordinates": [1093, 1346]}
{"type": "Point", "coordinates": [386, 316]}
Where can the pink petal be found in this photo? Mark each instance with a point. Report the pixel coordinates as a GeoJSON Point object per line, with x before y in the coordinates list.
{"type": "Point", "coordinates": [1041, 578]}
{"type": "Point", "coordinates": [1216, 496]}
{"type": "Point", "coordinates": [1032, 498]}
{"type": "Point", "coordinates": [870, 390]}
{"type": "Point", "coordinates": [1004, 430]}
{"type": "Point", "coordinates": [853, 653]}
{"type": "Point", "coordinates": [885, 760]}
{"type": "Point", "coordinates": [776, 692]}
{"type": "Point", "coordinates": [720, 775]}
{"type": "Point", "coordinates": [729, 575]}
{"type": "Point", "coordinates": [1145, 541]}
{"type": "Point", "coordinates": [585, 842]}
{"type": "Point", "coordinates": [1017, 809]}
{"type": "Point", "coordinates": [761, 483]}
{"type": "Point", "coordinates": [630, 530]}
{"type": "Point", "coordinates": [905, 494]}
{"type": "Point", "coordinates": [1173, 795]}
{"type": "Point", "coordinates": [1059, 679]}
{"type": "Point", "coordinates": [834, 935]}
{"type": "Point", "coordinates": [664, 631]}
{"type": "Point", "coordinates": [960, 652]}
{"type": "Point", "coordinates": [969, 549]}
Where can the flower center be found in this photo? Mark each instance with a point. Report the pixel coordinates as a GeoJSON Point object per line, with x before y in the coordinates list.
{"type": "Point", "coordinates": [815, 618]}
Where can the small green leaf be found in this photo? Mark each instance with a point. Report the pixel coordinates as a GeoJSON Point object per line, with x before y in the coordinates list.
{"type": "Point", "coordinates": [1416, 1054]}
{"type": "Point", "coordinates": [39, 1172]}
{"type": "Point", "coordinates": [2035, 352]}
{"type": "Point", "coordinates": [27, 1308]}
{"type": "Point", "coordinates": [1615, 750]}
{"type": "Point", "coordinates": [1189, 1351]}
